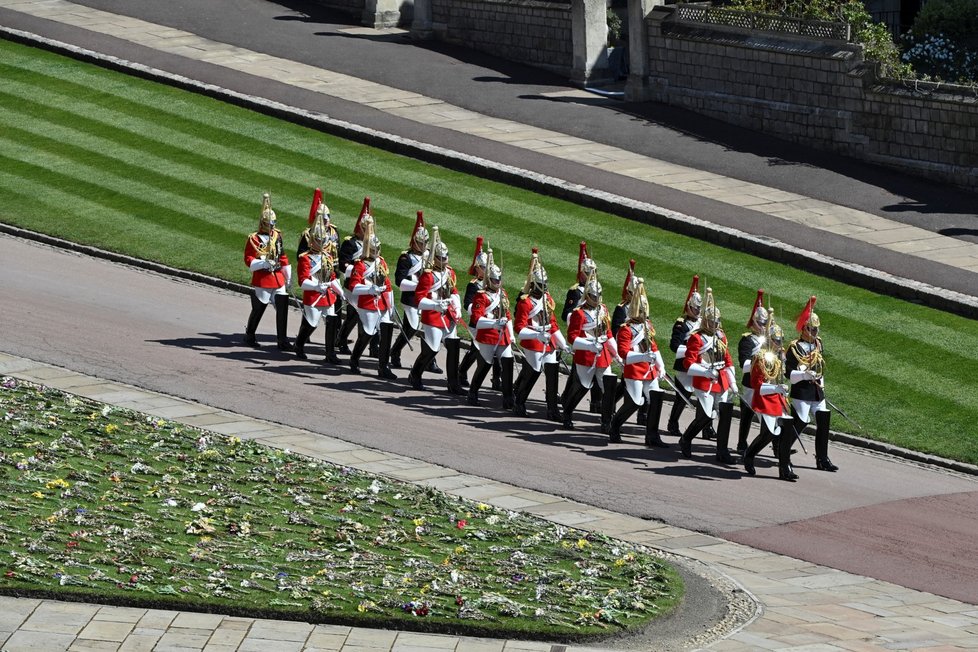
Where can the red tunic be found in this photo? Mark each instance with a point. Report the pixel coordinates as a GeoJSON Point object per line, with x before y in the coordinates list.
{"type": "Point", "coordinates": [491, 336]}
{"type": "Point", "coordinates": [694, 352]}
{"type": "Point", "coordinates": [524, 318]}
{"type": "Point", "coordinates": [580, 318]}
{"type": "Point", "coordinates": [627, 343]}
{"type": "Point", "coordinates": [770, 404]}
{"type": "Point", "coordinates": [371, 301]}
{"type": "Point", "coordinates": [264, 278]}
{"type": "Point", "coordinates": [312, 297]}
{"type": "Point", "coordinates": [429, 287]}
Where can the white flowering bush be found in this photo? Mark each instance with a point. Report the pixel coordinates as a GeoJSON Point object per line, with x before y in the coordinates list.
{"type": "Point", "coordinates": [943, 42]}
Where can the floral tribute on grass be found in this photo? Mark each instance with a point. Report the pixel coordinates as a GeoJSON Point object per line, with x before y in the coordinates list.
{"type": "Point", "coordinates": [110, 505]}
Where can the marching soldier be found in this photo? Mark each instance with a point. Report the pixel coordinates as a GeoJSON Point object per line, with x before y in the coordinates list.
{"type": "Point", "coordinates": [477, 270]}
{"type": "Point", "coordinates": [749, 346]}
{"type": "Point", "coordinates": [643, 366]}
{"type": "Point", "coordinates": [586, 268]}
{"type": "Point", "coordinates": [540, 338]}
{"type": "Point", "coordinates": [493, 333]}
{"type": "Point", "coordinates": [619, 317]}
{"type": "Point", "coordinates": [350, 251]}
{"type": "Point", "coordinates": [271, 276]}
{"type": "Point", "coordinates": [441, 310]}
{"type": "Point", "coordinates": [685, 324]}
{"type": "Point", "coordinates": [315, 209]}
{"type": "Point", "coordinates": [589, 333]}
{"type": "Point", "coordinates": [708, 362]}
{"type": "Point", "coordinates": [370, 287]}
{"type": "Point", "coordinates": [320, 288]}
{"type": "Point", "coordinates": [769, 403]}
{"type": "Point", "coordinates": [805, 366]}
{"type": "Point", "coordinates": [410, 264]}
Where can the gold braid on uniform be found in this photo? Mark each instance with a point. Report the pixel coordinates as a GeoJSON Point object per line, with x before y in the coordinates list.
{"type": "Point", "coordinates": [770, 365]}
{"type": "Point", "coordinates": [813, 362]}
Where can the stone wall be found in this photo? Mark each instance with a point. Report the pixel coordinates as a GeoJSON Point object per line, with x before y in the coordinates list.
{"type": "Point", "coordinates": [812, 90]}
{"type": "Point", "coordinates": [529, 31]}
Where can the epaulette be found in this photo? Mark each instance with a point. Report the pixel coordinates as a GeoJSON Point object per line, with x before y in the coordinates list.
{"type": "Point", "coordinates": [747, 334]}
{"type": "Point", "coordinates": [681, 318]}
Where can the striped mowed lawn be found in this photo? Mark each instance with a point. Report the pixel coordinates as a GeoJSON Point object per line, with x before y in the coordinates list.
{"type": "Point", "coordinates": [132, 166]}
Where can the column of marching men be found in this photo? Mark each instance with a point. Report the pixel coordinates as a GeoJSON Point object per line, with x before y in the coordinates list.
{"type": "Point", "coordinates": [783, 385]}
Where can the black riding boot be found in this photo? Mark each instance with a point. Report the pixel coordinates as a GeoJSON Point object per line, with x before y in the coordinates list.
{"type": "Point", "coordinates": [332, 326]}
{"type": "Point", "coordinates": [723, 433]}
{"type": "Point", "coordinates": [467, 360]}
{"type": "Point", "coordinates": [672, 428]}
{"type": "Point", "coordinates": [551, 374]}
{"type": "Point", "coordinates": [643, 415]}
{"type": "Point", "coordinates": [497, 374]}
{"type": "Point", "coordinates": [822, 461]}
{"type": "Point", "coordinates": [362, 341]}
{"type": "Point", "coordinates": [700, 421]}
{"type": "Point", "coordinates": [763, 438]}
{"type": "Point", "coordinates": [524, 384]}
{"type": "Point", "coordinates": [621, 416]}
{"type": "Point", "coordinates": [575, 392]}
{"type": "Point", "coordinates": [506, 382]}
{"type": "Point", "coordinates": [420, 364]}
{"type": "Point", "coordinates": [374, 350]}
{"type": "Point", "coordinates": [785, 472]}
{"type": "Point", "coordinates": [746, 416]}
{"type": "Point", "coordinates": [452, 349]}
{"type": "Point", "coordinates": [257, 310]}
{"type": "Point", "coordinates": [282, 322]}
{"type": "Point", "coordinates": [349, 323]}
{"type": "Point", "coordinates": [305, 330]}
{"type": "Point", "coordinates": [478, 377]}
{"type": "Point", "coordinates": [594, 407]}
{"type": "Point", "coordinates": [608, 396]}
{"type": "Point", "coordinates": [654, 411]}
{"type": "Point", "coordinates": [384, 354]}
{"type": "Point", "coordinates": [402, 339]}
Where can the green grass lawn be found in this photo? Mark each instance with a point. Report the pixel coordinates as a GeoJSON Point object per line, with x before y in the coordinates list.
{"type": "Point", "coordinates": [110, 505]}
{"type": "Point", "coordinates": [132, 166]}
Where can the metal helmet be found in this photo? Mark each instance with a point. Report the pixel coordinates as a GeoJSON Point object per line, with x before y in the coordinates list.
{"type": "Point", "coordinates": [363, 219]}
{"type": "Point", "coordinates": [536, 278]}
{"type": "Point", "coordinates": [638, 307]}
{"type": "Point", "coordinates": [775, 334]}
{"type": "Point", "coordinates": [710, 318]}
{"type": "Point", "coordinates": [438, 251]}
{"type": "Point", "coordinates": [592, 290]}
{"type": "Point", "coordinates": [694, 302]}
{"type": "Point", "coordinates": [757, 322]}
{"type": "Point", "coordinates": [267, 220]}
{"type": "Point", "coordinates": [318, 233]}
{"type": "Point", "coordinates": [808, 323]}
{"type": "Point", "coordinates": [494, 275]}
{"type": "Point", "coordinates": [585, 264]}
{"type": "Point", "coordinates": [323, 212]}
{"type": "Point", "coordinates": [419, 236]}
{"type": "Point", "coordinates": [628, 289]}
{"type": "Point", "coordinates": [371, 243]}
{"type": "Point", "coordinates": [479, 258]}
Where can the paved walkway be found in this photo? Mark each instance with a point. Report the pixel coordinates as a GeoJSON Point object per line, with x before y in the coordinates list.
{"type": "Point", "coordinates": [775, 602]}
{"type": "Point", "coordinates": [874, 236]}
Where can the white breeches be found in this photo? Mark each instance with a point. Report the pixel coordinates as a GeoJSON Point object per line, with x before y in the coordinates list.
{"type": "Point", "coordinates": [490, 351]}
{"type": "Point", "coordinates": [587, 374]}
{"type": "Point", "coordinates": [638, 390]}
{"type": "Point", "coordinates": [412, 317]}
{"type": "Point", "coordinates": [433, 335]}
{"type": "Point", "coordinates": [314, 314]}
{"type": "Point", "coordinates": [684, 379]}
{"type": "Point", "coordinates": [773, 423]}
{"type": "Point", "coordinates": [265, 294]}
{"type": "Point", "coordinates": [372, 319]}
{"type": "Point", "coordinates": [536, 359]}
{"type": "Point", "coordinates": [710, 401]}
{"type": "Point", "coordinates": [804, 409]}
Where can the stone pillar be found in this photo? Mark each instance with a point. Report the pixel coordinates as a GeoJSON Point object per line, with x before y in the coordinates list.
{"type": "Point", "coordinates": [637, 86]}
{"type": "Point", "coordinates": [385, 13]}
{"type": "Point", "coordinates": [589, 27]}
{"type": "Point", "coordinates": [421, 26]}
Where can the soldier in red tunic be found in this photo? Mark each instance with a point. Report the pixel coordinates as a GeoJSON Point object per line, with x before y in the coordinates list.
{"type": "Point", "coordinates": [320, 288]}
{"type": "Point", "coordinates": [711, 368]}
{"type": "Point", "coordinates": [350, 251]}
{"type": "Point", "coordinates": [643, 367]}
{"type": "Point", "coordinates": [586, 268]}
{"type": "Point", "coordinates": [749, 346]}
{"type": "Point", "coordinates": [684, 325]}
{"type": "Point", "coordinates": [493, 333]}
{"type": "Point", "coordinates": [410, 265]}
{"type": "Point", "coordinates": [768, 402]}
{"type": "Point", "coordinates": [441, 310]}
{"type": "Point", "coordinates": [271, 276]}
{"type": "Point", "coordinates": [373, 297]}
{"type": "Point", "coordinates": [540, 338]}
{"type": "Point", "coordinates": [589, 334]}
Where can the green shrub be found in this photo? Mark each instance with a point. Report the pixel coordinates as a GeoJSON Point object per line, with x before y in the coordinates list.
{"type": "Point", "coordinates": [943, 42]}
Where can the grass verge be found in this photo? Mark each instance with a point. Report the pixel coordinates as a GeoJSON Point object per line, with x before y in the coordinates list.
{"type": "Point", "coordinates": [115, 506]}
{"type": "Point", "coordinates": [139, 168]}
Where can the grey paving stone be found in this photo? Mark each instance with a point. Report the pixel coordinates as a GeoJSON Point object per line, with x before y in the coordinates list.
{"type": "Point", "coordinates": [39, 641]}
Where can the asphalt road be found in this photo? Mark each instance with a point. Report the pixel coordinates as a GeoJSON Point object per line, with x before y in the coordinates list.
{"type": "Point", "coordinates": [877, 516]}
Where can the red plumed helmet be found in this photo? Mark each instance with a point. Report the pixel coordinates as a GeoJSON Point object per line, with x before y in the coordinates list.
{"type": "Point", "coordinates": [364, 212]}
{"type": "Point", "coordinates": [478, 258]}
{"type": "Point", "coordinates": [626, 289]}
{"type": "Point", "coordinates": [694, 287]}
{"type": "Point", "coordinates": [757, 304]}
{"type": "Point", "coordinates": [805, 315]}
{"type": "Point", "coordinates": [317, 199]}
